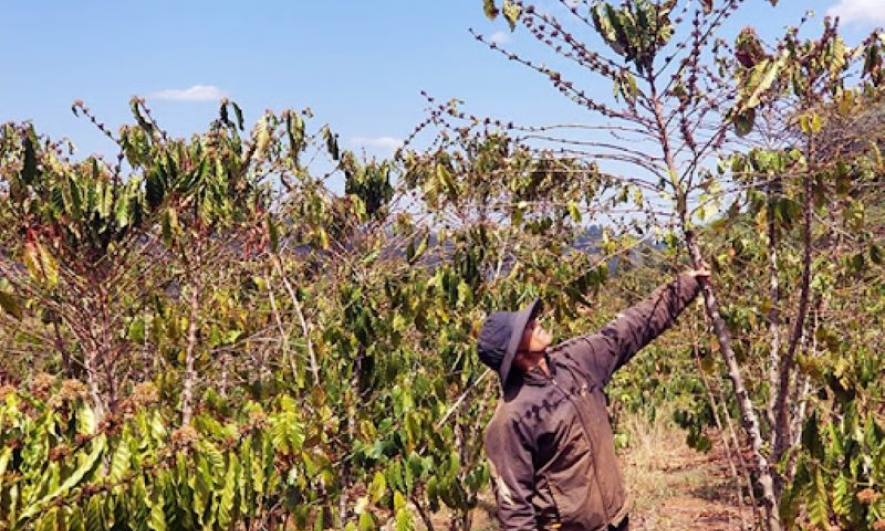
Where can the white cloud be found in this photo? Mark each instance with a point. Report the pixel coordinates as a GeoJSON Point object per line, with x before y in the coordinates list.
{"type": "Point", "coordinates": [194, 93]}
{"type": "Point", "coordinates": [499, 37]}
{"type": "Point", "coordinates": [862, 12]}
{"type": "Point", "coordinates": [385, 143]}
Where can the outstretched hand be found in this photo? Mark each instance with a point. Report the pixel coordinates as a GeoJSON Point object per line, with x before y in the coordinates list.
{"type": "Point", "coordinates": [701, 272]}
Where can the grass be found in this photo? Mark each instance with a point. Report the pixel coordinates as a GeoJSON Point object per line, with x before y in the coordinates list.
{"type": "Point", "coordinates": [673, 486]}
{"type": "Point", "coordinates": [655, 463]}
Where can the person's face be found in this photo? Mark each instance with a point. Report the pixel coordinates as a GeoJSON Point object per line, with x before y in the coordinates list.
{"type": "Point", "coordinates": [535, 338]}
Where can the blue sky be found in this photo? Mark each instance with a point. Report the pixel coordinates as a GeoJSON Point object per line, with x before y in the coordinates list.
{"type": "Point", "coordinates": [359, 64]}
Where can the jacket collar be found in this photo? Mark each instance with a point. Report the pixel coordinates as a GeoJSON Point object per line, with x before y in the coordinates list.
{"type": "Point", "coordinates": [536, 376]}
{"type": "Point", "coordinates": [533, 378]}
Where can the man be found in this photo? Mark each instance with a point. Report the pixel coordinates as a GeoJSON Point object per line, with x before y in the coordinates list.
{"type": "Point", "coordinates": [550, 442]}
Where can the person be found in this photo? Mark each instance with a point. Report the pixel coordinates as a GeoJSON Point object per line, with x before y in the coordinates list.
{"type": "Point", "coordinates": [550, 442]}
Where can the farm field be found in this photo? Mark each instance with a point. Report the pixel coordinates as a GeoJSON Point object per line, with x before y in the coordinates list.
{"type": "Point", "coordinates": [218, 318]}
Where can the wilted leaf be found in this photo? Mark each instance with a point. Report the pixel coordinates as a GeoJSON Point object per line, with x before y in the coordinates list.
{"type": "Point", "coordinates": [273, 233]}
{"type": "Point", "coordinates": [41, 264]}
{"type": "Point", "coordinates": [29, 168]}
{"type": "Point", "coordinates": [512, 12]}
{"type": "Point", "coordinates": [331, 142]}
{"type": "Point", "coordinates": [491, 11]}
{"type": "Point", "coordinates": [744, 121]}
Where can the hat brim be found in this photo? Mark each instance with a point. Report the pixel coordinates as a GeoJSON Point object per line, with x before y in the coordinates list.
{"type": "Point", "coordinates": [520, 321]}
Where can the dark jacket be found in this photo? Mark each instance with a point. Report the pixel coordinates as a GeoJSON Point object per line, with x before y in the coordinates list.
{"type": "Point", "coordinates": [550, 441]}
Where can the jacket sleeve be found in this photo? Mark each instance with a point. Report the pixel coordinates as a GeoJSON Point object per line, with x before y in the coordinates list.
{"type": "Point", "coordinates": [513, 477]}
{"type": "Point", "coordinates": [607, 350]}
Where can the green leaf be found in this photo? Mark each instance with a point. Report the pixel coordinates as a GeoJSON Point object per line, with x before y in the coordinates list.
{"type": "Point", "coordinates": [574, 212]}
{"type": "Point", "coordinates": [155, 186]}
{"type": "Point", "coordinates": [413, 251]}
{"type": "Point", "coordinates": [95, 520]}
{"type": "Point", "coordinates": [842, 495]}
{"type": "Point", "coordinates": [48, 521]}
{"type": "Point", "coordinates": [811, 439]}
{"type": "Point", "coordinates": [465, 295]}
{"type": "Point", "coordinates": [226, 502]}
{"type": "Point", "coordinates": [403, 516]}
{"type": "Point", "coordinates": [10, 304]}
{"type": "Point", "coordinates": [818, 502]}
{"type": "Point", "coordinates": [241, 124]}
{"type": "Point", "coordinates": [143, 123]}
{"type": "Point", "coordinates": [876, 256]}
{"type": "Point", "coordinates": [157, 426]}
{"type": "Point", "coordinates": [760, 80]}
{"type": "Point", "coordinates": [105, 199]}
{"type": "Point", "coordinates": [121, 462]}
{"type": "Point", "coordinates": [378, 487]}
{"type": "Point", "coordinates": [201, 482]}
{"type": "Point", "coordinates": [367, 522]}
{"type": "Point", "coordinates": [626, 86]}
{"type": "Point", "coordinates": [121, 211]}
{"type": "Point", "coordinates": [5, 456]}
{"type": "Point", "coordinates": [86, 466]}
{"type": "Point", "coordinates": [157, 517]}
{"type": "Point", "coordinates": [606, 21]}
{"type": "Point", "coordinates": [845, 102]}
{"type": "Point", "coordinates": [295, 131]}
{"type": "Point", "coordinates": [810, 123]}
{"type": "Point", "coordinates": [86, 422]}
{"type": "Point", "coordinates": [788, 508]}
{"type": "Point", "coordinates": [170, 225]}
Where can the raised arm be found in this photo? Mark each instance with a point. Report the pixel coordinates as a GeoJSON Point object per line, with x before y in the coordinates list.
{"type": "Point", "coordinates": [607, 350]}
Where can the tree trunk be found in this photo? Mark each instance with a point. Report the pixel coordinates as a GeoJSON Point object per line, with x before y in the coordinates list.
{"type": "Point", "coordinates": [305, 329]}
{"type": "Point", "coordinates": [108, 351]}
{"type": "Point", "coordinates": [774, 322]}
{"type": "Point", "coordinates": [190, 374]}
{"type": "Point", "coordinates": [782, 411]}
{"type": "Point", "coordinates": [60, 344]}
{"type": "Point", "coordinates": [773, 317]}
{"type": "Point", "coordinates": [350, 402]}
{"type": "Point", "coordinates": [749, 417]}
{"type": "Point", "coordinates": [423, 513]}
{"type": "Point", "coordinates": [284, 334]}
{"type": "Point", "coordinates": [90, 361]}
{"type": "Point", "coordinates": [732, 456]}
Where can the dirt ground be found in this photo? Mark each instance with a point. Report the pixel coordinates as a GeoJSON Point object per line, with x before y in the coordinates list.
{"type": "Point", "coordinates": [682, 489]}
{"type": "Point", "coordinates": [672, 486]}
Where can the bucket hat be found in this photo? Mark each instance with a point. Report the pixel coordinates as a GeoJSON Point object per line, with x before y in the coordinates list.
{"type": "Point", "coordinates": [499, 338]}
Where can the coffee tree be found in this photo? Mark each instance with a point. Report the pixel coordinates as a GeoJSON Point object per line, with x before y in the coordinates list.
{"type": "Point", "coordinates": [282, 355]}
{"type": "Point", "coordinates": [202, 335]}
{"type": "Point", "coordinates": [692, 99]}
